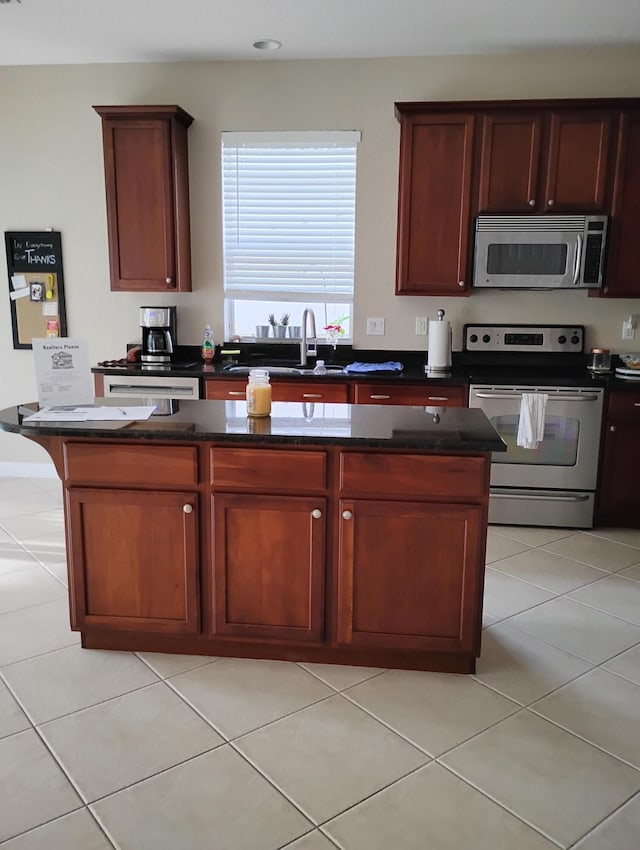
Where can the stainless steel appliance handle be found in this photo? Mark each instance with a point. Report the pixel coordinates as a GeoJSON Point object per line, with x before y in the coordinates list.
{"type": "Point", "coordinates": [578, 263]}
{"type": "Point", "coordinates": [534, 497]}
{"type": "Point", "coordinates": [552, 397]}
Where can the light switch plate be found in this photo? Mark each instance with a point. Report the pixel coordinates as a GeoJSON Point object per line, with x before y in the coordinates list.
{"type": "Point", "coordinates": [375, 327]}
{"type": "Point", "coordinates": [422, 325]}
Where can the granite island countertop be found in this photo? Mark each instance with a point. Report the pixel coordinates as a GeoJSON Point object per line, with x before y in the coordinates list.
{"type": "Point", "coordinates": [437, 429]}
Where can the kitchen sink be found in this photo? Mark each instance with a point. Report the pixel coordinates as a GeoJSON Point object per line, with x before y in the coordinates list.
{"type": "Point", "coordinates": [282, 370]}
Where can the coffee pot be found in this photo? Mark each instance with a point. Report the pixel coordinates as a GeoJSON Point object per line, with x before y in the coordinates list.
{"type": "Point", "coordinates": [158, 334]}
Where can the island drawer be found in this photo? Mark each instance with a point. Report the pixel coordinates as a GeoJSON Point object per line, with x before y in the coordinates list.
{"type": "Point", "coordinates": [167, 465]}
{"type": "Point", "coordinates": [412, 475]}
{"type": "Point", "coordinates": [269, 470]}
{"type": "Point", "coordinates": [411, 394]}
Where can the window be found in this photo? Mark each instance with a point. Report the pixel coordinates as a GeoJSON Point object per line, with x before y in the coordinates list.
{"type": "Point", "coordinates": [288, 227]}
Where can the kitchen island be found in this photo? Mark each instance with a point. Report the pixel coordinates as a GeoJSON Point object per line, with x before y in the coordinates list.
{"type": "Point", "coordinates": [330, 533]}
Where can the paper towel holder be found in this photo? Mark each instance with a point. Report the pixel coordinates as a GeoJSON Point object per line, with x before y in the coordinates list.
{"type": "Point", "coordinates": [439, 348]}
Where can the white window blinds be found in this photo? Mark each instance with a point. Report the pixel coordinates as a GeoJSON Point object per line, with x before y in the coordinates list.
{"type": "Point", "coordinates": [289, 215]}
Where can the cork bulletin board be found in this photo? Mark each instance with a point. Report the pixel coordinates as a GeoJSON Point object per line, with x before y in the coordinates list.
{"type": "Point", "coordinates": [36, 285]}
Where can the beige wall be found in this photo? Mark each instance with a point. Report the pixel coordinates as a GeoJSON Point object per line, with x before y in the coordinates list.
{"type": "Point", "coordinates": [51, 176]}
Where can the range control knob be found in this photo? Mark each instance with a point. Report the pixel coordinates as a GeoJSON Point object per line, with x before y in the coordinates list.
{"type": "Point", "coordinates": [575, 339]}
{"type": "Point", "coordinates": [562, 339]}
{"type": "Point", "coordinates": [486, 338]}
{"type": "Point", "coordinates": [473, 338]}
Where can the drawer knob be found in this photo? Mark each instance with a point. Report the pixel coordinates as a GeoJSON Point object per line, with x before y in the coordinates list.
{"type": "Point", "coordinates": [316, 513]}
{"type": "Point", "coordinates": [187, 509]}
{"type": "Point", "coordinates": [347, 515]}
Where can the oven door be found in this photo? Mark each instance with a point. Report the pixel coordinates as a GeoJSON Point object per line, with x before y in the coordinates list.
{"type": "Point", "coordinates": [567, 457]}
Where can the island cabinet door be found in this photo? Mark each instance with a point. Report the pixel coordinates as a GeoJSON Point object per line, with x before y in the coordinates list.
{"type": "Point", "coordinates": [134, 560]}
{"type": "Point", "coordinates": [269, 561]}
{"type": "Point", "coordinates": [409, 577]}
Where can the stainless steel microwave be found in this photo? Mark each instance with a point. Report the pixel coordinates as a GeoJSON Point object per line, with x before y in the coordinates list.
{"type": "Point", "coordinates": [540, 251]}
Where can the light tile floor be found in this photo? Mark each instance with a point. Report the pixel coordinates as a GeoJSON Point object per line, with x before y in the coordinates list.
{"type": "Point", "coordinates": [540, 749]}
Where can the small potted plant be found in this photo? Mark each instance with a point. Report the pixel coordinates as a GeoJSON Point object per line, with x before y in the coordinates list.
{"type": "Point", "coordinates": [273, 322]}
{"type": "Point", "coordinates": [282, 327]}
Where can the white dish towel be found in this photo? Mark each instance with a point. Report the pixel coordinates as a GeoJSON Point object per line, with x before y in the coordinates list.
{"type": "Point", "coordinates": [531, 423]}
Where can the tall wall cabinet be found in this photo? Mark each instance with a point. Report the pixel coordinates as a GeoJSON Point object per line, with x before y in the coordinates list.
{"type": "Point", "coordinates": [147, 194]}
{"type": "Point", "coordinates": [461, 159]}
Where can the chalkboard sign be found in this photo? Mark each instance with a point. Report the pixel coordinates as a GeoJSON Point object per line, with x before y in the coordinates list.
{"type": "Point", "coordinates": [36, 285]}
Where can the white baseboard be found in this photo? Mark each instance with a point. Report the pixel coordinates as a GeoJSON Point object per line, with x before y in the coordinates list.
{"type": "Point", "coordinates": [27, 470]}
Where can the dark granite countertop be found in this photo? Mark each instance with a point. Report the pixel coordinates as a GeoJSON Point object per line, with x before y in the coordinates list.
{"type": "Point", "coordinates": [187, 363]}
{"type": "Point", "coordinates": [441, 429]}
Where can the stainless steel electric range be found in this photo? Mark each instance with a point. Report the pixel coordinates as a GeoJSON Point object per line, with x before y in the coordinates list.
{"type": "Point", "coordinates": [554, 484]}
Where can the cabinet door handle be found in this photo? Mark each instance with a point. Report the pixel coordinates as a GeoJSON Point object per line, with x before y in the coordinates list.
{"type": "Point", "coordinates": [312, 395]}
{"type": "Point", "coordinates": [187, 509]}
{"type": "Point", "coordinates": [437, 398]}
{"type": "Point", "coordinates": [347, 515]}
{"type": "Point", "coordinates": [168, 280]}
{"type": "Point", "coordinates": [636, 403]}
{"type": "Point", "coordinates": [550, 202]}
{"type": "Point", "coordinates": [532, 202]}
{"type": "Point", "coordinates": [612, 428]}
{"type": "Point", "coordinates": [460, 283]}
{"type": "Point", "coordinates": [379, 396]}
{"type": "Point", "coordinates": [237, 392]}
{"type": "Point", "coordinates": [316, 513]}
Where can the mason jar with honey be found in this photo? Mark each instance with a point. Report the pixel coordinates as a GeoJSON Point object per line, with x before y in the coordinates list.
{"type": "Point", "coordinates": [258, 393]}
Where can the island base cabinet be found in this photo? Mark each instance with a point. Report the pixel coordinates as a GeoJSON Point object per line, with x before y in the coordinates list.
{"type": "Point", "coordinates": [268, 564]}
{"type": "Point", "coordinates": [133, 560]}
{"type": "Point", "coordinates": [408, 575]}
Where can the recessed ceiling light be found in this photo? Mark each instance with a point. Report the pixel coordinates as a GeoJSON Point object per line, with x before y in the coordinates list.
{"type": "Point", "coordinates": [267, 44]}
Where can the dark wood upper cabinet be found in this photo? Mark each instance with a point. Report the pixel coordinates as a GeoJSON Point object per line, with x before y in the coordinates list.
{"type": "Point", "coordinates": [509, 163]}
{"type": "Point", "coordinates": [578, 161]}
{"type": "Point", "coordinates": [147, 193]}
{"type": "Point", "coordinates": [545, 162]}
{"type": "Point", "coordinates": [434, 204]}
{"type": "Point", "coordinates": [623, 278]}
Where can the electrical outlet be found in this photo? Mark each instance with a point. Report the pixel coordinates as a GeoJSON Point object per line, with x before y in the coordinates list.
{"type": "Point", "coordinates": [375, 327]}
{"type": "Point", "coordinates": [628, 328]}
{"type": "Point", "coordinates": [422, 324]}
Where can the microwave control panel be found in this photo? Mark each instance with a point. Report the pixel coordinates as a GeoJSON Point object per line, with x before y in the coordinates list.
{"type": "Point", "coordinates": [537, 339]}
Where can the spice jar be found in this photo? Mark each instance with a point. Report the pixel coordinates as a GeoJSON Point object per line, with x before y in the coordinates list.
{"type": "Point", "coordinates": [258, 393]}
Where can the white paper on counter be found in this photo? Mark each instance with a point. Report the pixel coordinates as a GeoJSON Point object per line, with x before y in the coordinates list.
{"type": "Point", "coordinates": [62, 371]}
{"type": "Point", "coordinates": [91, 414]}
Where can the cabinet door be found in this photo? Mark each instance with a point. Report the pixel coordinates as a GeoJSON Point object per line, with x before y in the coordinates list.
{"type": "Point", "coordinates": [509, 163]}
{"type": "Point", "coordinates": [429, 395]}
{"type": "Point", "coordinates": [268, 556]}
{"type": "Point", "coordinates": [409, 575]}
{"type": "Point", "coordinates": [134, 560]}
{"type": "Point", "coordinates": [578, 162]}
{"type": "Point", "coordinates": [147, 192]}
{"type": "Point", "coordinates": [433, 205]}
{"type": "Point", "coordinates": [622, 278]}
{"type": "Point", "coordinates": [618, 493]}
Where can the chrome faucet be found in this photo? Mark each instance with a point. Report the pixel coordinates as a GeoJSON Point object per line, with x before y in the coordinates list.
{"type": "Point", "coordinates": [309, 343]}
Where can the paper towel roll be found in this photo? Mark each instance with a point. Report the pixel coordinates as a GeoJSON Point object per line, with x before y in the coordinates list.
{"type": "Point", "coordinates": [439, 353]}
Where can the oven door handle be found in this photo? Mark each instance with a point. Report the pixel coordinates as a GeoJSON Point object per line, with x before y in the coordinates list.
{"type": "Point", "coordinates": [552, 397]}
{"type": "Point", "coordinates": [533, 497]}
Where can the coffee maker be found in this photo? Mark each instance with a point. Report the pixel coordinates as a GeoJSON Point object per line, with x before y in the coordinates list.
{"type": "Point", "coordinates": [158, 334]}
